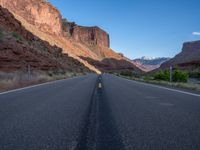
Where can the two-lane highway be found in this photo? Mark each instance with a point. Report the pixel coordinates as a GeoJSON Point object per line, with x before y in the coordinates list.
{"type": "Point", "coordinates": [99, 113]}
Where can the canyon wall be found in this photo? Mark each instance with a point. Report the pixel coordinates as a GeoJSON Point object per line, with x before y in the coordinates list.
{"type": "Point", "coordinates": [188, 58]}
{"type": "Point", "coordinates": [91, 36]}
{"type": "Point", "coordinates": [47, 18]}
{"type": "Point", "coordinates": [45, 21]}
{"type": "Point", "coordinates": [19, 48]}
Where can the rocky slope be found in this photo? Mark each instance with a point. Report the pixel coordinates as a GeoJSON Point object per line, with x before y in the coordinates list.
{"type": "Point", "coordinates": [149, 64]}
{"type": "Point", "coordinates": [20, 48]}
{"type": "Point", "coordinates": [188, 59]}
{"type": "Point", "coordinates": [45, 21]}
{"type": "Point", "coordinates": [111, 65]}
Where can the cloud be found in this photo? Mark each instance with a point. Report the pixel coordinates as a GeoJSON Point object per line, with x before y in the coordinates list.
{"type": "Point", "coordinates": [196, 33]}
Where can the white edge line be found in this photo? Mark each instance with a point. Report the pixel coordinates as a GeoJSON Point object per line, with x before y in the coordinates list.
{"type": "Point", "coordinates": [161, 87]}
{"type": "Point", "coordinates": [37, 85]}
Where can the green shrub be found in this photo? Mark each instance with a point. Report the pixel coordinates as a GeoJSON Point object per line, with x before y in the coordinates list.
{"type": "Point", "coordinates": [17, 36]}
{"type": "Point", "coordinates": [127, 73]}
{"type": "Point", "coordinates": [162, 75]}
{"type": "Point", "coordinates": [177, 76]}
{"type": "Point", "coordinates": [147, 78]}
{"type": "Point", "coordinates": [180, 76]}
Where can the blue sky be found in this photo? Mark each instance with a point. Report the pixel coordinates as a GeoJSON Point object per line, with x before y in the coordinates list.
{"type": "Point", "coordinates": [138, 27]}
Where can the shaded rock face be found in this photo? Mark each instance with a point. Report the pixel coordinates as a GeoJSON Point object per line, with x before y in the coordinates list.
{"type": "Point", "coordinates": [113, 65]}
{"type": "Point", "coordinates": [190, 56]}
{"type": "Point", "coordinates": [37, 12]}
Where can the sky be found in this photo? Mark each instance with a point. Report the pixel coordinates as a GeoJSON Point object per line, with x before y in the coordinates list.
{"type": "Point", "coordinates": [153, 28]}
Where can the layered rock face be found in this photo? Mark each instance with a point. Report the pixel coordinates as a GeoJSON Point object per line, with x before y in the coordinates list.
{"type": "Point", "coordinates": [38, 13]}
{"type": "Point", "coordinates": [48, 19]}
{"type": "Point", "coordinates": [188, 58]}
{"type": "Point", "coordinates": [91, 36]}
{"type": "Point", "coordinates": [19, 48]}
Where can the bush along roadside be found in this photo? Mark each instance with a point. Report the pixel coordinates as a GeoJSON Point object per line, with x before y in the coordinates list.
{"type": "Point", "coordinates": [179, 79]}
{"type": "Point", "coordinates": [177, 76]}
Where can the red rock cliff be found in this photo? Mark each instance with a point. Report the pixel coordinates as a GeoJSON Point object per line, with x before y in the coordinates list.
{"type": "Point", "coordinates": [38, 13]}
{"type": "Point", "coordinates": [19, 47]}
{"type": "Point", "coordinates": [91, 36]}
{"type": "Point", "coordinates": [190, 55]}
{"type": "Point", "coordinates": [45, 21]}
{"type": "Point", "coordinates": [48, 19]}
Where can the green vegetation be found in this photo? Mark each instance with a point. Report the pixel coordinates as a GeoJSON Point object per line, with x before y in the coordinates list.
{"type": "Point", "coordinates": [162, 75]}
{"type": "Point", "coordinates": [177, 76]}
{"type": "Point", "coordinates": [180, 76]}
{"type": "Point", "coordinates": [17, 36]}
{"type": "Point", "coordinates": [127, 73]}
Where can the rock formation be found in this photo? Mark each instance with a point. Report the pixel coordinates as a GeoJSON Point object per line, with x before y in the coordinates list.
{"type": "Point", "coordinates": [189, 57]}
{"type": "Point", "coordinates": [45, 21]}
{"type": "Point", "coordinates": [91, 36]}
{"type": "Point", "coordinates": [19, 48]}
{"type": "Point", "coordinates": [38, 13]}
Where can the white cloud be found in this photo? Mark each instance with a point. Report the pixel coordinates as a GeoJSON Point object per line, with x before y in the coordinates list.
{"type": "Point", "coordinates": [196, 33]}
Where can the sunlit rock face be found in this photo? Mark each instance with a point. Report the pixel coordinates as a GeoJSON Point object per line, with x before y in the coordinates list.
{"type": "Point", "coordinates": [44, 21]}
{"type": "Point", "coordinates": [91, 36]}
{"type": "Point", "coordinates": [37, 12]}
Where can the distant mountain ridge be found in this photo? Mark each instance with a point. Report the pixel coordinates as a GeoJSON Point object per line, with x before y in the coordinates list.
{"type": "Point", "coordinates": [150, 63]}
{"type": "Point", "coordinates": [152, 60]}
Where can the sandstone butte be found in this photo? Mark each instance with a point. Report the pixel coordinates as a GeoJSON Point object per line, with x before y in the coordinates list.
{"type": "Point", "coordinates": [45, 21]}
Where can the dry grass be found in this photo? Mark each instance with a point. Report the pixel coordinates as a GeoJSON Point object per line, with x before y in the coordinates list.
{"type": "Point", "coordinates": [14, 80]}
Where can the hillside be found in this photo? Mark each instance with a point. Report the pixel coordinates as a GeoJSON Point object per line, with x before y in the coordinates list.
{"type": "Point", "coordinates": [20, 48]}
{"type": "Point", "coordinates": [45, 21]}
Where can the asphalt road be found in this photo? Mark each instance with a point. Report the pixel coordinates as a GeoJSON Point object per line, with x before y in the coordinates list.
{"type": "Point", "coordinates": [99, 113]}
